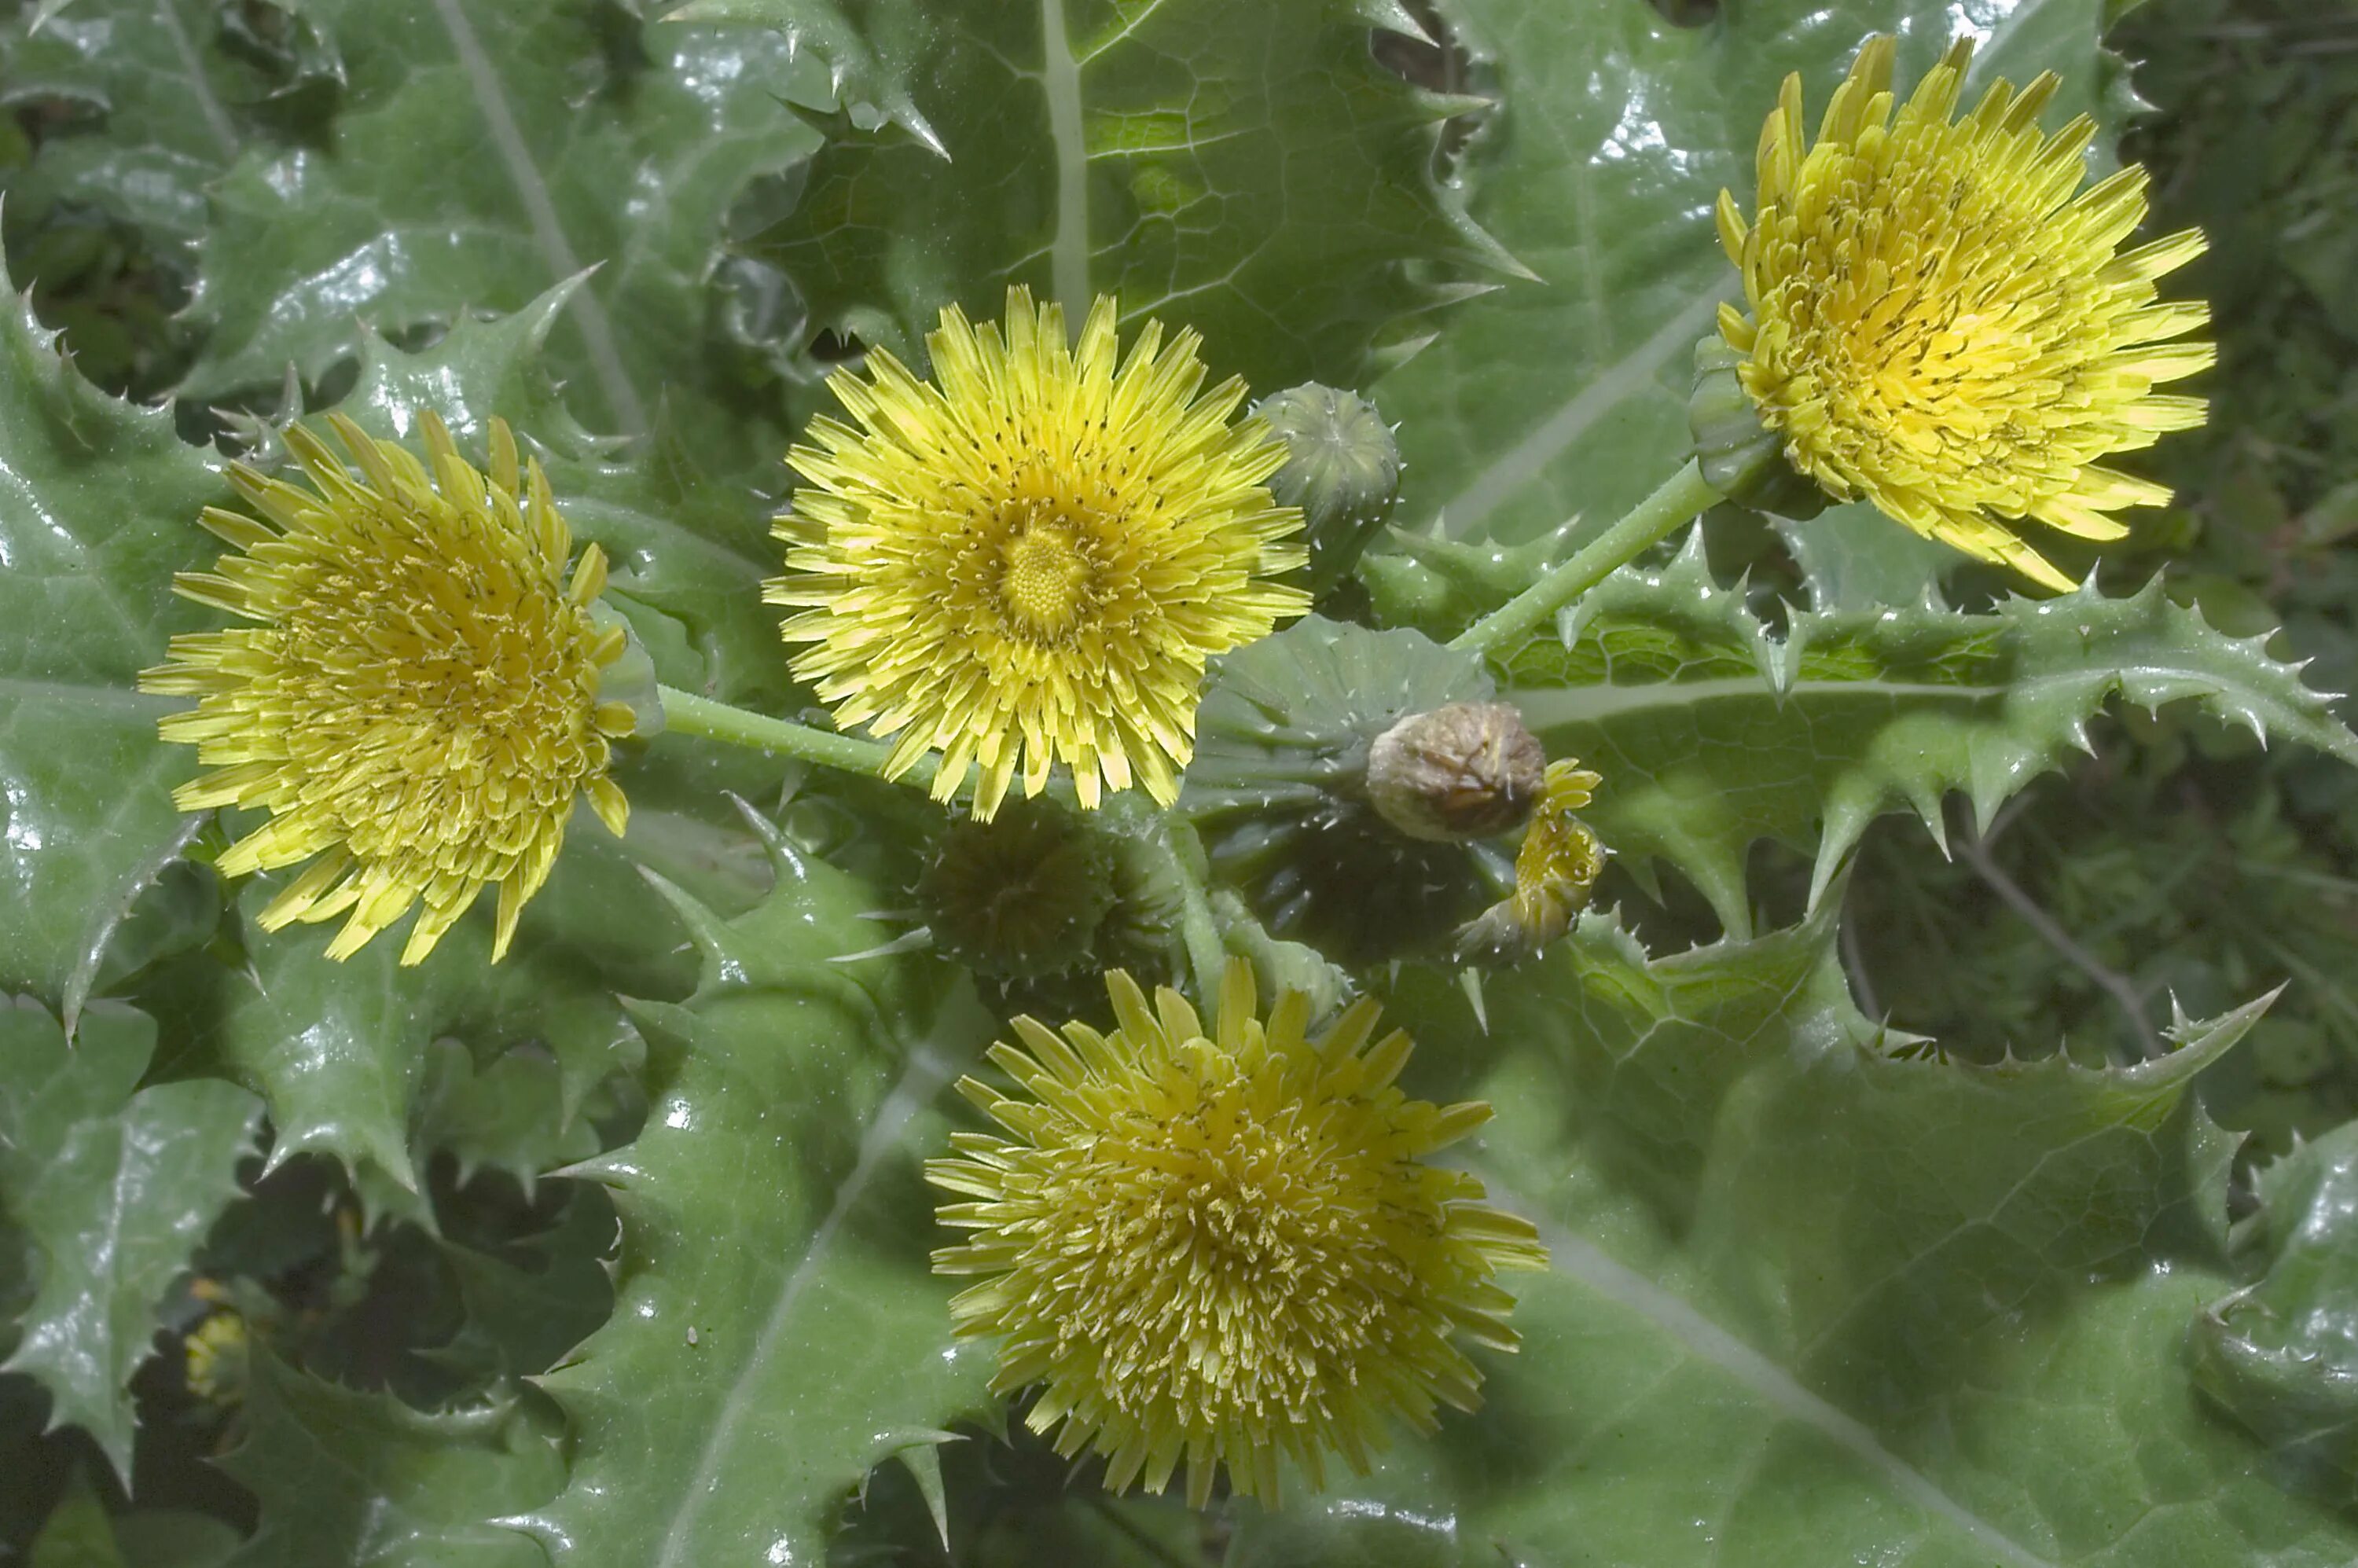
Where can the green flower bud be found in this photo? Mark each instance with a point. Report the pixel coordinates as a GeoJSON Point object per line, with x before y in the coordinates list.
{"type": "Point", "coordinates": [1741, 458]}
{"type": "Point", "coordinates": [1020, 896]}
{"type": "Point", "coordinates": [1343, 473]}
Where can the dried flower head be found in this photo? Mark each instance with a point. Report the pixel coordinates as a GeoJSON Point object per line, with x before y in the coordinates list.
{"type": "Point", "coordinates": [416, 703]}
{"type": "Point", "coordinates": [1468, 770]}
{"type": "Point", "coordinates": [1030, 562]}
{"type": "Point", "coordinates": [1224, 1248]}
{"type": "Point", "coordinates": [1938, 324]}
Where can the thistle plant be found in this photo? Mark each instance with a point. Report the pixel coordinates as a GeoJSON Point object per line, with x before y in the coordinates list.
{"type": "Point", "coordinates": [1101, 571]}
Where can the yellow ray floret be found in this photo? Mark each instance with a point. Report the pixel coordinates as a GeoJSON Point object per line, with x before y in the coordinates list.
{"type": "Point", "coordinates": [1028, 560]}
{"type": "Point", "coordinates": [416, 700]}
{"type": "Point", "coordinates": [1224, 1248]}
{"type": "Point", "coordinates": [1937, 322]}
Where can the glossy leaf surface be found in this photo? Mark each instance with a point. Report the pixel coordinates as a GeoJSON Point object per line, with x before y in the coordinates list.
{"type": "Point", "coordinates": [102, 499]}
{"type": "Point", "coordinates": [112, 1189]}
{"type": "Point", "coordinates": [774, 1279]}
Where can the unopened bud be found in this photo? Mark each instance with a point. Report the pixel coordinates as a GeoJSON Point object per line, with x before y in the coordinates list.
{"type": "Point", "coordinates": [1342, 470]}
{"type": "Point", "coordinates": [1019, 896]}
{"type": "Point", "coordinates": [1466, 770]}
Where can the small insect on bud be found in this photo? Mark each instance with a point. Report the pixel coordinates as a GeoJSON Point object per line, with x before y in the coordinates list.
{"type": "Point", "coordinates": [1466, 770]}
{"type": "Point", "coordinates": [1342, 470]}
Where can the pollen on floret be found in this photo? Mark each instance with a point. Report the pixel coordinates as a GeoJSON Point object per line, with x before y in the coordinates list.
{"type": "Point", "coordinates": [1026, 561]}
{"type": "Point", "coordinates": [414, 698]}
{"type": "Point", "coordinates": [1939, 320]}
{"type": "Point", "coordinates": [1224, 1248]}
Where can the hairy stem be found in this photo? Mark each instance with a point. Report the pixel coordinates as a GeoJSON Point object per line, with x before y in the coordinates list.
{"type": "Point", "coordinates": [1683, 497]}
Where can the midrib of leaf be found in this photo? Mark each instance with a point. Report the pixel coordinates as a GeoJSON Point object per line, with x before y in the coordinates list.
{"type": "Point", "coordinates": [1545, 707]}
{"type": "Point", "coordinates": [1593, 704]}
{"type": "Point", "coordinates": [215, 117]}
{"type": "Point", "coordinates": [927, 1071]}
{"type": "Point", "coordinates": [548, 230]}
{"type": "Point", "coordinates": [1060, 78]}
{"type": "Point", "coordinates": [1581, 1260]}
{"type": "Point", "coordinates": [85, 694]}
{"type": "Point", "coordinates": [1521, 463]}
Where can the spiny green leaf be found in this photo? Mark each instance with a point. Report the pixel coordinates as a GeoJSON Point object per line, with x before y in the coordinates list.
{"type": "Point", "coordinates": [1613, 136]}
{"type": "Point", "coordinates": [1818, 1298]}
{"type": "Point", "coordinates": [773, 1284]}
{"type": "Point", "coordinates": [872, 49]}
{"type": "Point", "coordinates": [1854, 558]}
{"type": "Point", "coordinates": [1244, 169]}
{"type": "Point", "coordinates": [486, 152]}
{"type": "Point", "coordinates": [344, 1477]}
{"type": "Point", "coordinates": [79, 1533]}
{"type": "Point", "coordinates": [101, 500]}
{"type": "Point", "coordinates": [339, 1049]}
{"type": "Point", "coordinates": [529, 1305]}
{"type": "Point", "coordinates": [168, 95]}
{"type": "Point", "coordinates": [113, 1190]}
{"type": "Point", "coordinates": [1711, 732]}
{"type": "Point", "coordinates": [76, 1535]}
{"type": "Point", "coordinates": [2282, 1355]}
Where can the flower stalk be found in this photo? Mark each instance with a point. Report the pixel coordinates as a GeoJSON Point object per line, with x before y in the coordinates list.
{"type": "Point", "coordinates": [1681, 498]}
{"type": "Point", "coordinates": [685, 713]}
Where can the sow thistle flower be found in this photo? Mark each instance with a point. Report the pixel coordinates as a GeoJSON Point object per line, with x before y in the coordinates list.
{"type": "Point", "coordinates": [416, 703]}
{"type": "Point", "coordinates": [1937, 324]}
{"type": "Point", "coordinates": [1029, 562]}
{"type": "Point", "coordinates": [1222, 1249]}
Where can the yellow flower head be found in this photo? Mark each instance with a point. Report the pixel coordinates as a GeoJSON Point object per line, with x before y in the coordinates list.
{"type": "Point", "coordinates": [416, 702]}
{"type": "Point", "coordinates": [1937, 322]}
{"type": "Point", "coordinates": [1031, 561]}
{"type": "Point", "coordinates": [1224, 1248]}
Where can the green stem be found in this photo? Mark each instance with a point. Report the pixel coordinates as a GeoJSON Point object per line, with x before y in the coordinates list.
{"type": "Point", "coordinates": [1683, 497]}
{"type": "Point", "coordinates": [685, 713]}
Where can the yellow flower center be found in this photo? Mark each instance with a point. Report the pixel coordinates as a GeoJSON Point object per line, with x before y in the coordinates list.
{"type": "Point", "coordinates": [1029, 563]}
{"type": "Point", "coordinates": [1044, 580]}
{"type": "Point", "coordinates": [1248, 1257]}
{"type": "Point", "coordinates": [434, 704]}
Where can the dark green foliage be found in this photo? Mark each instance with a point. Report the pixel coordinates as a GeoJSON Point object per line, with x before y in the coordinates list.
{"type": "Point", "coordinates": [1890, 1194]}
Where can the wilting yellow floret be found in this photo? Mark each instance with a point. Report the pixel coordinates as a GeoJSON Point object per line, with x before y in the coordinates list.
{"type": "Point", "coordinates": [1937, 324]}
{"type": "Point", "coordinates": [1224, 1248]}
{"type": "Point", "coordinates": [416, 703]}
{"type": "Point", "coordinates": [1554, 872]}
{"type": "Point", "coordinates": [1029, 562]}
